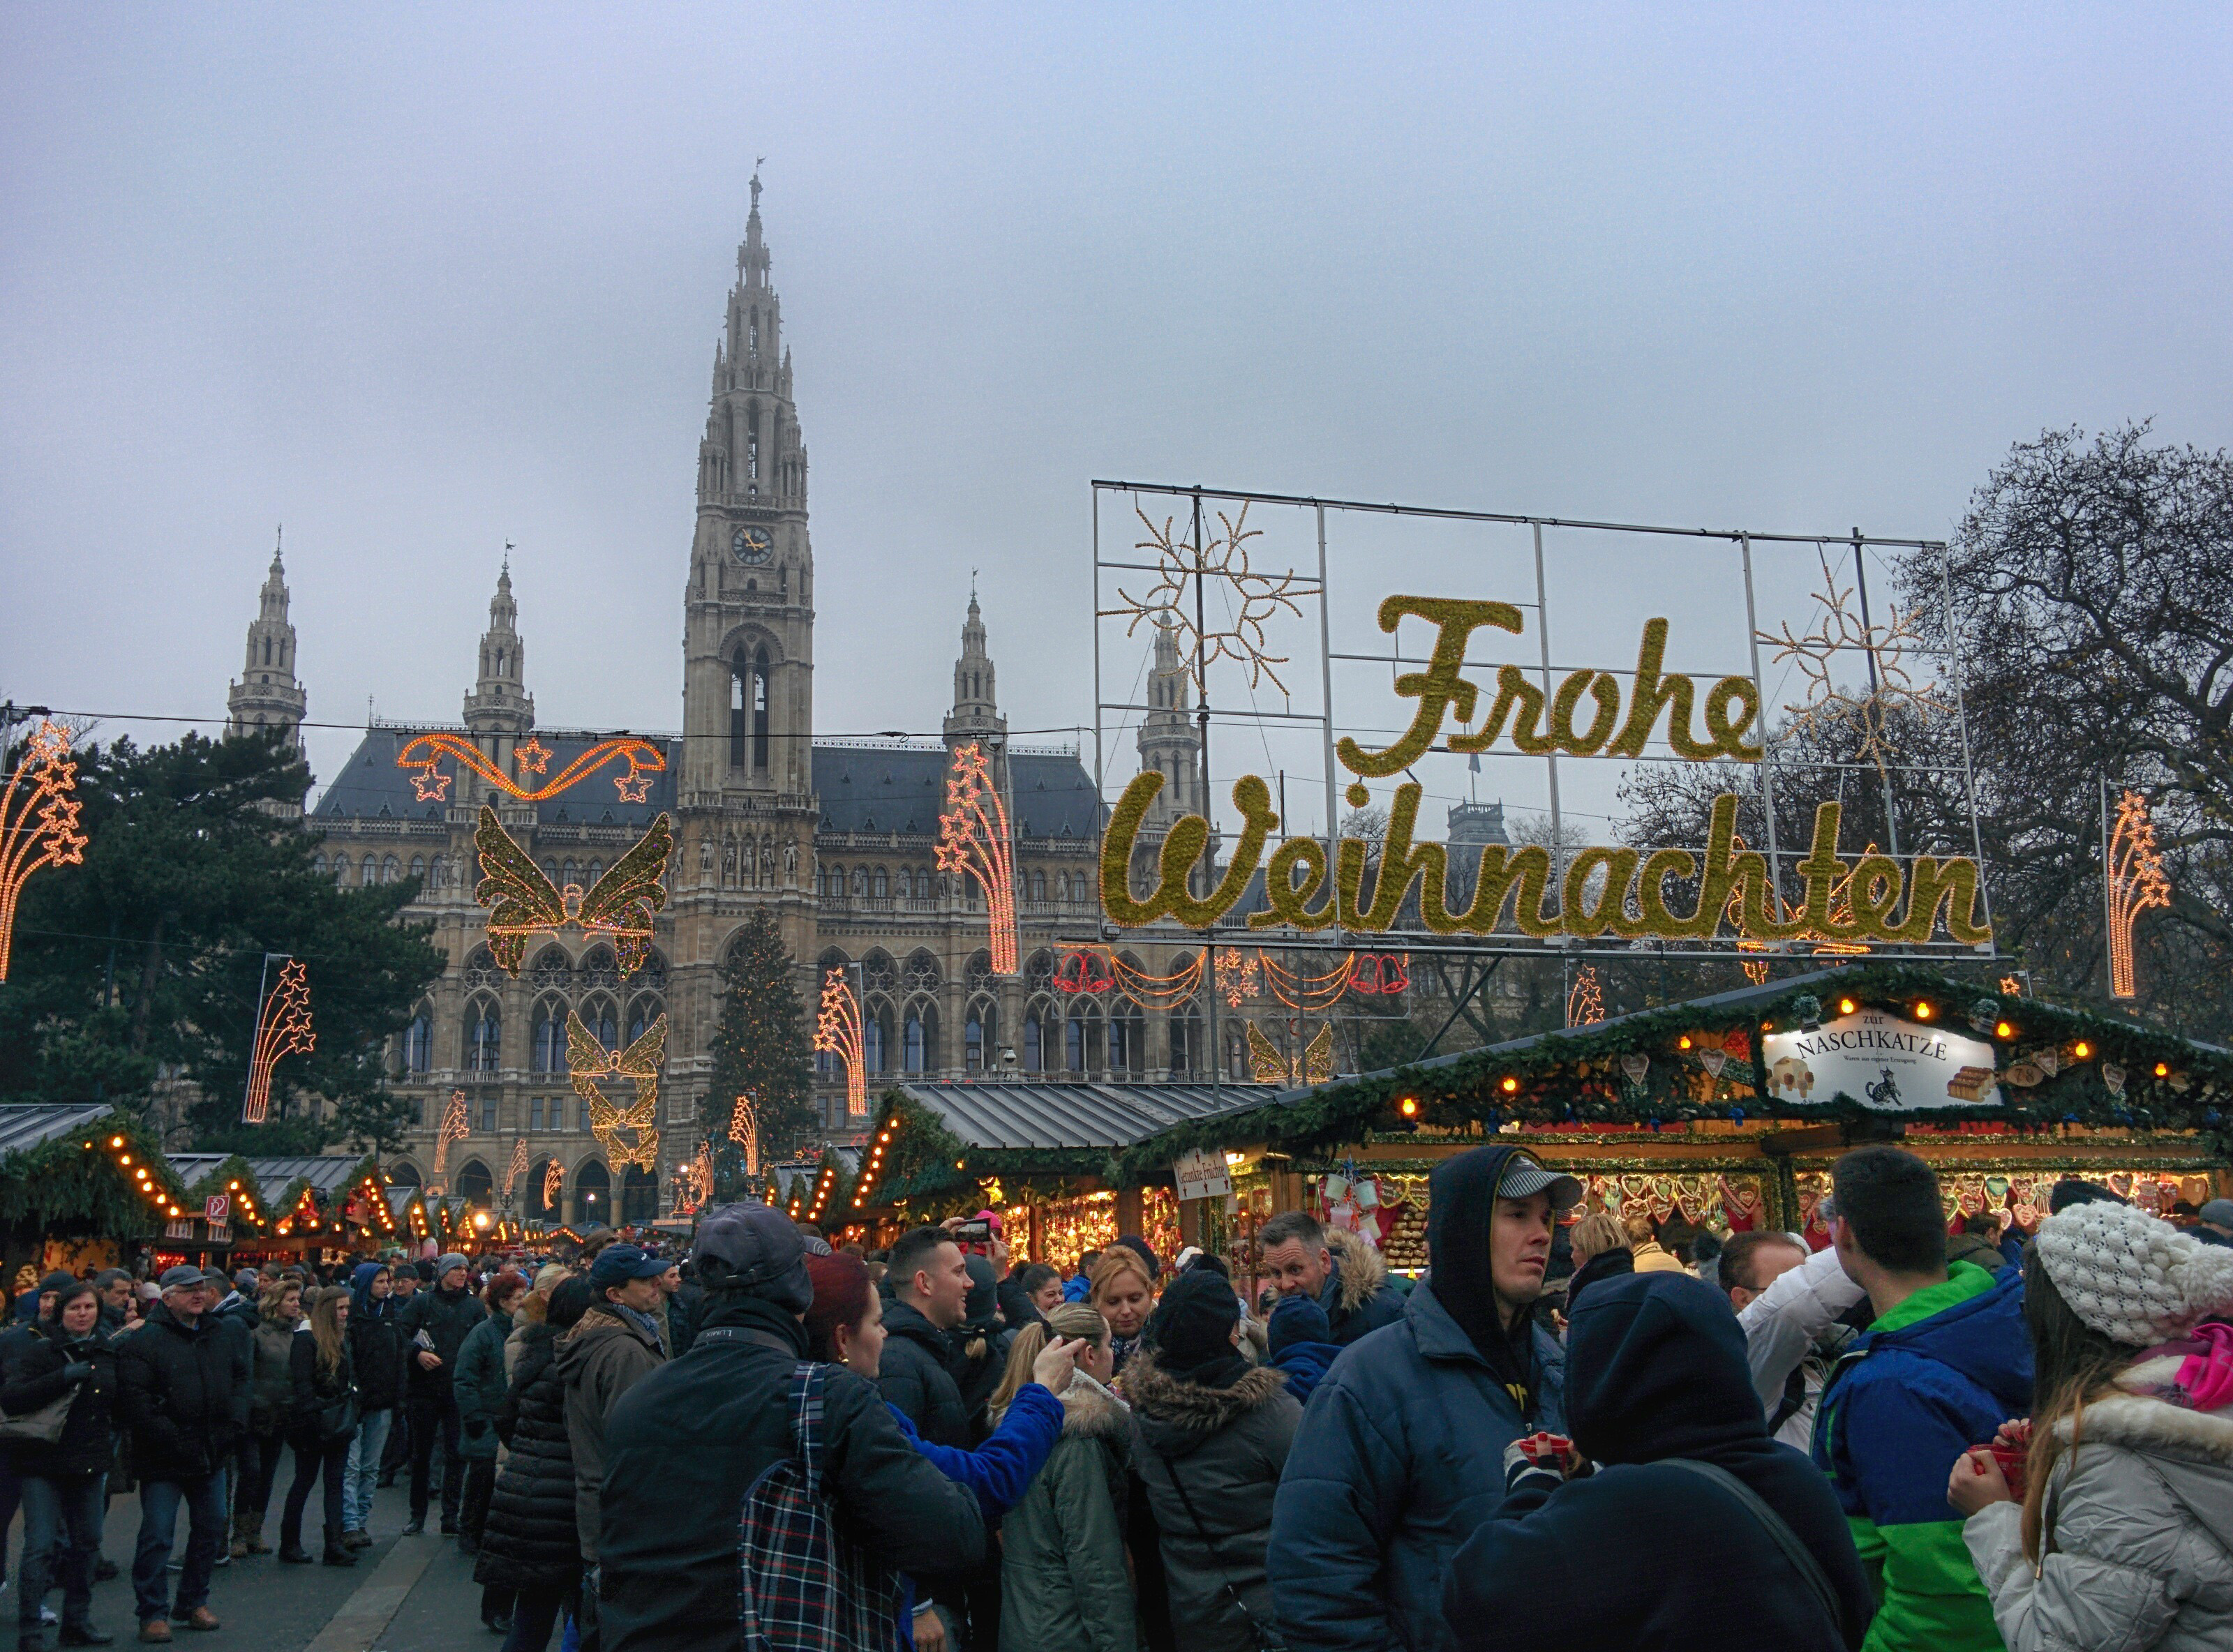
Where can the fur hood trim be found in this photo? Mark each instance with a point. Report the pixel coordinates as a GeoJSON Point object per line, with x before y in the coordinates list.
{"type": "Point", "coordinates": [1191, 1406]}
{"type": "Point", "coordinates": [2139, 1423]}
{"type": "Point", "coordinates": [1363, 1271]}
{"type": "Point", "coordinates": [1088, 1410]}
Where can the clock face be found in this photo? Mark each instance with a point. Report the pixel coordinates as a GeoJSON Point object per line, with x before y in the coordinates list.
{"type": "Point", "coordinates": [752, 545]}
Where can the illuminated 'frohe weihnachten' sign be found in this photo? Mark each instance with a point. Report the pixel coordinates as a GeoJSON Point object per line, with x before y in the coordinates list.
{"type": "Point", "coordinates": [1605, 891]}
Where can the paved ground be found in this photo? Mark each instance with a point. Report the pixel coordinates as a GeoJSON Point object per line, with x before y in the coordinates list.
{"type": "Point", "coordinates": [403, 1595]}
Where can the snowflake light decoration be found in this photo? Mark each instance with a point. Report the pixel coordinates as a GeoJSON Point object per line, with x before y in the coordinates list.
{"type": "Point", "coordinates": [1867, 715]}
{"type": "Point", "coordinates": [38, 822]}
{"type": "Point", "coordinates": [1256, 599]}
{"type": "Point", "coordinates": [1238, 977]}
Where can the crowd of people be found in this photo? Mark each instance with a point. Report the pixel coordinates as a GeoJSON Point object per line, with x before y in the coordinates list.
{"type": "Point", "coordinates": [1571, 1426]}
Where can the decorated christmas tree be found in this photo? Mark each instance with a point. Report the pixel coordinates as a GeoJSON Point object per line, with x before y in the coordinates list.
{"type": "Point", "coordinates": [758, 1105]}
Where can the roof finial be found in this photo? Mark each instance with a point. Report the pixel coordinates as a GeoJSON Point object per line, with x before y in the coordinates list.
{"type": "Point", "coordinates": [507, 559]}
{"type": "Point", "coordinates": [758, 161]}
{"type": "Point", "coordinates": [278, 543]}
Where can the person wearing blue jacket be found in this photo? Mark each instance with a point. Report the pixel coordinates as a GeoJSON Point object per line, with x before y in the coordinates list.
{"type": "Point", "coordinates": [1945, 1363]}
{"type": "Point", "coordinates": [1302, 1344]}
{"type": "Point", "coordinates": [1400, 1454]}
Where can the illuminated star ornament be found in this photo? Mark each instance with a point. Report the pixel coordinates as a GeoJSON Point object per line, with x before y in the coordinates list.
{"type": "Point", "coordinates": [629, 1136]}
{"type": "Point", "coordinates": [518, 1166]}
{"type": "Point", "coordinates": [2134, 880]}
{"type": "Point", "coordinates": [837, 1029]}
{"type": "Point", "coordinates": [38, 822]}
{"type": "Point", "coordinates": [423, 756]}
{"type": "Point", "coordinates": [283, 1028]}
{"type": "Point", "coordinates": [554, 1183]}
{"type": "Point", "coordinates": [521, 902]}
{"type": "Point", "coordinates": [455, 1123]}
{"type": "Point", "coordinates": [745, 1131]}
{"type": "Point", "coordinates": [973, 839]}
{"type": "Point", "coordinates": [1585, 999]}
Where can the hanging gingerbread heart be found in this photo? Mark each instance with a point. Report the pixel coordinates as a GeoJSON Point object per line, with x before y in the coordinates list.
{"type": "Point", "coordinates": [2048, 1061]}
{"type": "Point", "coordinates": [1634, 1066]}
{"type": "Point", "coordinates": [1714, 1060]}
{"type": "Point", "coordinates": [2113, 1079]}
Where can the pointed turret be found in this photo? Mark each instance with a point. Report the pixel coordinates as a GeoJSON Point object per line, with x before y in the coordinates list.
{"type": "Point", "coordinates": [268, 694]}
{"type": "Point", "coordinates": [976, 714]}
{"type": "Point", "coordinates": [500, 707]}
{"type": "Point", "coordinates": [1170, 742]}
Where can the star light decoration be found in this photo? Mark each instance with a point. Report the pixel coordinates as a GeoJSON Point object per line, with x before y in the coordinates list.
{"type": "Point", "coordinates": [423, 756]}
{"type": "Point", "coordinates": [1251, 602]}
{"type": "Point", "coordinates": [745, 1131]}
{"type": "Point", "coordinates": [837, 1029]}
{"type": "Point", "coordinates": [1585, 999]}
{"type": "Point", "coordinates": [973, 841]}
{"type": "Point", "coordinates": [1866, 716]}
{"type": "Point", "coordinates": [38, 822]}
{"type": "Point", "coordinates": [455, 1123]}
{"type": "Point", "coordinates": [2134, 880]}
{"type": "Point", "coordinates": [554, 1183]}
{"type": "Point", "coordinates": [283, 1028]}
{"type": "Point", "coordinates": [518, 1169]}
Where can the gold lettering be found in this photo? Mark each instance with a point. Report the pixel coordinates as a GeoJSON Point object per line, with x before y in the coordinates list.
{"type": "Point", "coordinates": [1290, 901]}
{"type": "Point", "coordinates": [1601, 687]}
{"type": "Point", "coordinates": [1652, 895]}
{"type": "Point", "coordinates": [1721, 734]}
{"type": "Point", "coordinates": [1182, 848]}
{"type": "Point", "coordinates": [1440, 687]}
{"type": "Point", "coordinates": [1822, 868]}
{"type": "Point", "coordinates": [1872, 892]}
{"type": "Point", "coordinates": [1932, 882]}
{"type": "Point", "coordinates": [1610, 914]}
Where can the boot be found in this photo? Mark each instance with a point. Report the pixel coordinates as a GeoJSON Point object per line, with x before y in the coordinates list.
{"type": "Point", "coordinates": [237, 1547]}
{"type": "Point", "coordinates": [337, 1552]}
{"type": "Point", "coordinates": [253, 1520]}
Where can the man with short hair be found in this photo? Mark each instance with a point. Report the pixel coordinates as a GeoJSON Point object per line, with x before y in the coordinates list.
{"type": "Point", "coordinates": [1399, 1456]}
{"type": "Point", "coordinates": [1791, 1305]}
{"type": "Point", "coordinates": [930, 1296]}
{"type": "Point", "coordinates": [608, 1351]}
{"type": "Point", "coordinates": [433, 1325]}
{"type": "Point", "coordinates": [679, 1310]}
{"type": "Point", "coordinates": [179, 1395]}
{"type": "Point", "coordinates": [1079, 1286]}
{"type": "Point", "coordinates": [1338, 1271]}
{"type": "Point", "coordinates": [114, 1285]}
{"type": "Point", "coordinates": [395, 1456]}
{"type": "Point", "coordinates": [1946, 1362]}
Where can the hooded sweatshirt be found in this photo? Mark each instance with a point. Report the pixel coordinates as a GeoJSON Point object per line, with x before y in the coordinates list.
{"type": "Point", "coordinates": [1937, 1375]}
{"type": "Point", "coordinates": [1655, 1369]}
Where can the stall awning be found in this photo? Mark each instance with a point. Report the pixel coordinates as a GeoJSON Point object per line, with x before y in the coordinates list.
{"type": "Point", "coordinates": [1020, 1115]}
{"type": "Point", "coordinates": [23, 1126]}
{"type": "Point", "coordinates": [325, 1173]}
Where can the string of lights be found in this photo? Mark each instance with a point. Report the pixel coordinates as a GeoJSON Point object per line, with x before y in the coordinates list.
{"type": "Point", "coordinates": [38, 822]}
{"type": "Point", "coordinates": [423, 757]}
{"type": "Point", "coordinates": [283, 1028]}
{"type": "Point", "coordinates": [2134, 880]}
{"type": "Point", "coordinates": [837, 1029]}
{"type": "Point", "coordinates": [973, 841]}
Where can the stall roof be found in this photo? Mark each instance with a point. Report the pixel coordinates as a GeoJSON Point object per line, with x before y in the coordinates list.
{"type": "Point", "coordinates": [1075, 1116]}
{"type": "Point", "coordinates": [324, 1171]}
{"type": "Point", "coordinates": [27, 1125]}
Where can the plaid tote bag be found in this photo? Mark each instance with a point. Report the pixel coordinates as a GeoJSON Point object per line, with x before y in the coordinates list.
{"type": "Point", "coordinates": [803, 1585]}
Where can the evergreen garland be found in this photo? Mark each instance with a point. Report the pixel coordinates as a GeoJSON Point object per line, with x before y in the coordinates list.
{"type": "Point", "coordinates": [760, 1049]}
{"type": "Point", "coordinates": [72, 1185]}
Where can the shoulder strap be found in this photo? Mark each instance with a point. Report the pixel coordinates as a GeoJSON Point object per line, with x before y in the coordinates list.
{"type": "Point", "coordinates": [1780, 1532]}
{"type": "Point", "coordinates": [745, 1334]}
{"type": "Point", "coordinates": [1266, 1637]}
{"type": "Point", "coordinates": [1794, 1395]}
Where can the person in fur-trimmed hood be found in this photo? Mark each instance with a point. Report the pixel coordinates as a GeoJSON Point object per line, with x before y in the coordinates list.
{"type": "Point", "coordinates": [1339, 1271]}
{"type": "Point", "coordinates": [1210, 1434]}
{"type": "Point", "coordinates": [2123, 1536]}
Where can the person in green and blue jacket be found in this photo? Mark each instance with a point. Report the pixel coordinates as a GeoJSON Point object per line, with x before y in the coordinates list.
{"type": "Point", "coordinates": [1945, 1363]}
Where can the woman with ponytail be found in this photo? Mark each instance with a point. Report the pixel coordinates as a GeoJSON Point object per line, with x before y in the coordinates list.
{"type": "Point", "coordinates": [2122, 1535]}
{"type": "Point", "coordinates": [1063, 1577]}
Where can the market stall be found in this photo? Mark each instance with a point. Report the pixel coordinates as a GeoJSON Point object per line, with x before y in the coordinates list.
{"type": "Point", "coordinates": [81, 1186]}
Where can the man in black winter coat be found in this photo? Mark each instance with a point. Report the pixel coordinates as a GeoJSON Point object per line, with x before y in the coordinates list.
{"type": "Point", "coordinates": [930, 1296]}
{"type": "Point", "coordinates": [1656, 1369]}
{"type": "Point", "coordinates": [180, 1392]}
{"type": "Point", "coordinates": [434, 1325]}
{"type": "Point", "coordinates": [684, 1446]}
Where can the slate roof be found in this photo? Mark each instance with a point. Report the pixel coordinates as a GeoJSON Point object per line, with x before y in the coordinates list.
{"type": "Point", "coordinates": [1005, 1115]}
{"type": "Point", "coordinates": [324, 1171]}
{"type": "Point", "coordinates": [24, 1126]}
{"type": "Point", "coordinates": [370, 786]}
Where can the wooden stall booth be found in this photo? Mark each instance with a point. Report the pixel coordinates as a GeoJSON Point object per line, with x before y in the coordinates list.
{"type": "Point", "coordinates": [81, 1186]}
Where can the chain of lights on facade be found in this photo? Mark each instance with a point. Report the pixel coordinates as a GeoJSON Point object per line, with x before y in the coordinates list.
{"type": "Point", "coordinates": [38, 822]}
{"type": "Point", "coordinates": [455, 1123]}
{"type": "Point", "coordinates": [423, 756]}
{"type": "Point", "coordinates": [2134, 880]}
{"type": "Point", "coordinates": [283, 1028]}
{"type": "Point", "coordinates": [837, 1029]}
{"type": "Point", "coordinates": [973, 841]}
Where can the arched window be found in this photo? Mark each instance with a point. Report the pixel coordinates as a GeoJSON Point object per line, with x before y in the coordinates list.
{"type": "Point", "coordinates": [760, 709]}
{"type": "Point", "coordinates": [548, 1053]}
{"type": "Point", "coordinates": [638, 1196]}
{"type": "Point", "coordinates": [419, 1041]}
{"type": "Point", "coordinates": [642, 1014]}
{"type": "Point", "coordinates": [537, 1208]}
{"type": "Point", "coordinates": [371, 874]}
{"type": "Point", "coordinates": [1127, 1042]}
{"type": "Point", "coordinates": [474, 1182]}
{"type": "Point", "coordinates": [980, 1036]}
{"type": "Point", "coordinates": [1034, 1032]}
{"type": "Point", "coordinates": [568, 873]}
{"type": "Point", "coordinates": [318, 864]}
{"type": "Point", "coordinates": [484, 1036]}
{"type": "Point", "coordinates": [403, 1173]}
{"type": "Point", "coordinates": [593, 1188]}
{"type": "Point", "coordinates": [342, 870]}
{"type": "Point", "coordinates": [390, 869]}
{"type": "Point", "coordinates": [1038, 885]}
{"type": "Point", "coordinates": [915, 1042]}
{"type": "Point", "coordinates": [1073, 1047]}
{"type": "Point", "coordinates": [1186, 1040]}
{"type": "Point", "coordinates": [861, 881]}
{"type": "Point", "coordinates": [602, 1021]}
{"type": "Point", "coordinates": [882, 885]}
{"type": "Point", "coordinates": [872, 1042]}
{"type": "Point", "coordinates": [417, 868]}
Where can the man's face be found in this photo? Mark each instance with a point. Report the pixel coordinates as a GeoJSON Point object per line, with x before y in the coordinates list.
{"type": "Point", "coordinates": [1770, 1263]}
{"type": "Point", "coordinates": [185, 1302]}
{"type": "Point", "coordinates": [47, 1301]}
{"type": "Point", "coordinates": [642, 1295]}
{"type": "Point", "coordinates": [671, 1281]}
{"type": "Point", "coordinates": [406, 1283]}
{"type": "Point", "coordinates": [454, 1279]}
{"type": "Point", "coordinates": [942, 1282]}
{"type": "Point", "coordinates": [1296, 1270]}
{"type": "Point", "coordinates": [1520, 1247]}
{"type": "Point", "coordinates": [117, 1292]}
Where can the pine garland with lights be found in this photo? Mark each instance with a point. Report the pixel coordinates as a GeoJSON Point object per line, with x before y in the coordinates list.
{"type": "Point", "coordinates": [760, 1051]}
{"type": "Point", "coordinates": [236, 1179]}
{"type": "Point", "coordinates": [85, 1182]}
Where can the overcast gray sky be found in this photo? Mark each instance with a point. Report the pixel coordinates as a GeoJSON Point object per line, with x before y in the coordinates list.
{"type": "Point", "coordinates": [418, 280]}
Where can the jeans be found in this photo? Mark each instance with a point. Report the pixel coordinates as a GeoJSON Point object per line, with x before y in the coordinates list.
{"type": "Point", "coordinates": [203, 1495]}
{"type": "Point", "coordinates": [364, 1469]}
{"type": "Point", "coordinates": [432, 1415]}
{"type": "Point", "coordinates": [396, 1459]}
{"type": "Point", "coordinates": [533, 1613]}
{"type": "Point", "coordinates": [62, 1534]}
{"type": "Point", "coordinates": [312, 1460]}
{"type": "Point", "coordinates": [11, 1494]}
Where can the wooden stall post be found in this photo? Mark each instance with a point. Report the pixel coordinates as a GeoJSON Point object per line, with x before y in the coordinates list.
{"type": "Point", "coordinates": [1127, 1211]}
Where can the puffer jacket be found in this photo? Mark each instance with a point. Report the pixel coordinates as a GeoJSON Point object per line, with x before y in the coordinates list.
{"type": "Point", "coordinates": [1400, 1456]}
{"type": "Point", "coordinates": [915, 1374]}
{"type": "Point", "coordinates": [36, 1379]}
{"type": "Point", "coordinates": [318, 1393]}
{"type": "Point", "coordinates": [531, 1540]}
{"type": "Point", "coordinates": [180, 1396]}
{"type": "Point", "coordinates": [1063, 1578]}
{"type": "Point", "coordinates": [1358, 1296]}
{"type": "Point", "coordinates": [1224, 1447]}
{"type": "Point", "coordinates": [1791, 1327]}
{"type": "Point", "coordinates": [2142, 1550]}
{"type": "Point", "coordinates": [273, 1385]}
{"type": "Point", "coordinates": [479, 1386]}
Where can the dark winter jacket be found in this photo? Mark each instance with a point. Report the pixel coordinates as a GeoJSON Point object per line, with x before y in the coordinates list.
{"type": "Point", "coordinates": [272, 1380]}
{"type": "Point", "coordinates": [685, 1443]}
{"type": "Point", "coordinates": [1063, 1577]}
{"type": "Point", "coordinates": [1358, 1296]}
{"type": "Point", "coordinates": [1224, 1447]}
{"type": "Point", "coordinates": [318, 1395]}
{"type": "Point", "coordinates": [377, 1344]}
{"type": "Point", "coordinates": [38, 1378]}
{"type": "Point", "coordinates": [181, 1396]}
{"type": "Point", "coordinates": [1655, 1368]}
{"type": "Point", "coordinates": [480, 1386]}
{"type": "Point", "coordinates": [1617, 1263]}
{"type": "Point", "coordinates": [1938, 1373]}
{"type": "Point", "coordinates": [682, 1310]}
{"type": "Point", "coordinates": [446, 1317]}
{"type": "Point", "coordinates": [1301, 1345]}
{"type": "Point", "coordinates": [600, 1358]}
{"type": "Point", "coordinates": [916, 1374]}
{"type": "Point", "coordinates": [531, 1540]}
{"type": "Point", "coordinates": [1400, 1457]}
{"type": "Point", "coordinates": [1016, 1301]}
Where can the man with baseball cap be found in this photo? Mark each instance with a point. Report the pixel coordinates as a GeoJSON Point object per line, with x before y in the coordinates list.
{"type": "Point", "coordinates": [617, 1344]}
{"type": "Point", "coordinates": [1401, 1453]}
{"type": "Point", "coordinates": [684, 1446]}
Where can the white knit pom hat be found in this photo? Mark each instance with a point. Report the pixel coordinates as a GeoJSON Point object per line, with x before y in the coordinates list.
{"type": "Point", "coordinates": [2136, 1280]}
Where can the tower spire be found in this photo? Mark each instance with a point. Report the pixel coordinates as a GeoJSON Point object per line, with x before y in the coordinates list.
{"type": "Point", "coordinates": [500, 708]}
{"type": "Point", "coordinates": [976, 714]}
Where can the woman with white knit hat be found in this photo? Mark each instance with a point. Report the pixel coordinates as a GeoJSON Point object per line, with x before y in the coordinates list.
{"type": "Point", "coordinates": [2122, 1535]}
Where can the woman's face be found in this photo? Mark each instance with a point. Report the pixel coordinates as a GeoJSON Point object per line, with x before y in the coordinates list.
{"type": "Point", "coordinates": [509, 1301]}
{"type": "Point", "coordinates": [341, 1311]}
{"type": "Point", "coordinates": [861, 1348]}
{"type": "Point", "coordinates": [290, 1302]}
{"type": "Point", "coordinates": [1048, 1297]}
{"type": "Point", "coordinates": [1126, 1305]}
{"type": "Point", "coordinates": [80, 1317]}
{"type": "Point", "coordinates": [1098, 1362]}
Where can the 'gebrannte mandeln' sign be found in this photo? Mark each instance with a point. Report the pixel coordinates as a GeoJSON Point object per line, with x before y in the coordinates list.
{"type": "Point", "coordinates": [1884, 901]}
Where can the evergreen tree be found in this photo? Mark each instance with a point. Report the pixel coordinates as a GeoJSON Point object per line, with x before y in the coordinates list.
{"type": "Point", "coordinates": [761, 1054]}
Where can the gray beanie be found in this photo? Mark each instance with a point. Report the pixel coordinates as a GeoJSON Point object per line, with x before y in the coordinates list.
{"type": "Point", "coordinates": [444, 1264]}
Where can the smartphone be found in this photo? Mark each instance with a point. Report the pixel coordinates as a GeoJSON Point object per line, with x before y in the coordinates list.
{"type": "Point", "coordinates": [973, 1233]}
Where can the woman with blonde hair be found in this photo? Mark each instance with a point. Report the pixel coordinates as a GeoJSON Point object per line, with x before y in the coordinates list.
{"type": "Point", "coordinates": [1063, 1577]}
{"type": "Point", "coordinates": [271, 1395]}
{"type": "Point", "coordinates": [1599, 1244]}
{"type": "Point", "coordinates": [322, 1425]}
{"type": "Point", "coordinates": [1123, 1293]}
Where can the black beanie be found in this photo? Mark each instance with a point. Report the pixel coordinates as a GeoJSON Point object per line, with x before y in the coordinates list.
{"type": "Point", "coordinates": [1191, 1330]}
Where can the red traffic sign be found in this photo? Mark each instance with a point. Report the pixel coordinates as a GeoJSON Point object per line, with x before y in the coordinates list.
{"type": "Point", "coordinates": [217, 1207]}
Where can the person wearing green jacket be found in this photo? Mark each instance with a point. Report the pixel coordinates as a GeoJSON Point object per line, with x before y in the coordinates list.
{"type": "Point", "coordinates": [1063, 1577]}
{"type": "Point", "coordinates": [479, 1385]}
{"type": "Point", "coordinates": [1945, 1363]}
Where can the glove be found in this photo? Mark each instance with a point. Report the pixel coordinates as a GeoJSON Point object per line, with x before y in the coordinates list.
{"type": "Point", "coordinates": [1522, 1470]}
{"type": "Point", "coordinates": [77, 1371]}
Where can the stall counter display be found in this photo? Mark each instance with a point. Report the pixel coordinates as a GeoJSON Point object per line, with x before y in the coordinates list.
{"type": "Point", "coordinates": [1159, 1222]}
{"type": "Point", "coordinates": [1069, 1227]}
{"type": "Point", "coordinates": [2023, 1196]}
